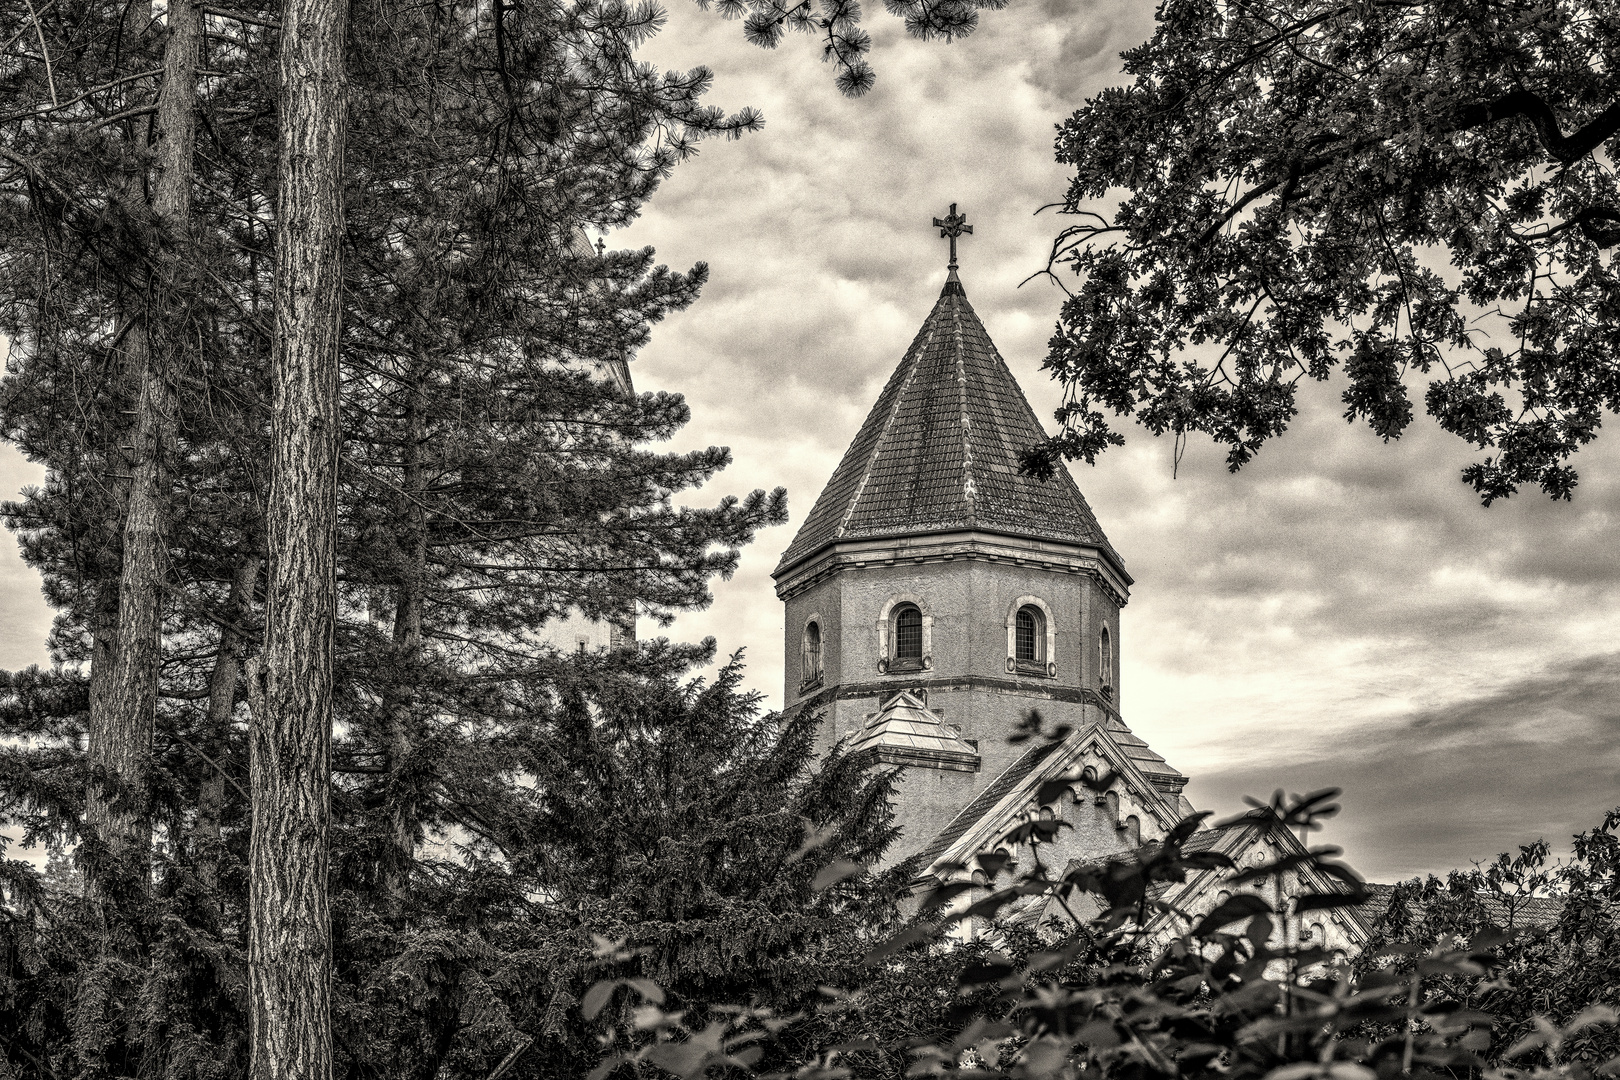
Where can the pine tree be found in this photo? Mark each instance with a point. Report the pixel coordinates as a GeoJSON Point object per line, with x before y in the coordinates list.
{"type": "Point", "coordinates": [546, 504]}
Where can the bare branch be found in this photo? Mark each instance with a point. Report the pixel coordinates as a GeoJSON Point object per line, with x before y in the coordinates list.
{"type": "Point", "coordinates": [237, 16]}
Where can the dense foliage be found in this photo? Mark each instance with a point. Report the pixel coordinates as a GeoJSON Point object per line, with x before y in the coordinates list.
{"type": "Point", "coordinates": [1420, 192]}
{"type": "Point", "coordinates": [837, 24]}
{"type": "Point", "coordinates": [669, 815]}
{"type": "Point", "coordinates": [1444, 989]}
{"type": "Point", "coordinates": [494, 480]}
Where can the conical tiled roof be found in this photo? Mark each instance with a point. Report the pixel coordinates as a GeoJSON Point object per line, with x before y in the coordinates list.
{"type": "Point", "coordinates": [939, 451]}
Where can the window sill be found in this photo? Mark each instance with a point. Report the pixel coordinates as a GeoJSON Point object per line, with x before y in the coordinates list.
{"type": "Point", "coordinates": [1034, 668]}
{"type": "Point", "coordinates": [898, 667]}
{"type": "Point", "coordinates": [809, 685]}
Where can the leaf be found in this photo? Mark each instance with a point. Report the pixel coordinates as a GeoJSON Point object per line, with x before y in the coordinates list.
{"type": "Point", "coordinates": [649, 990]}
{"type": "Point", "coordinates": [1099, 1035]}
{"type": "Point", "coordinates": [1349, 1070]}
{"type": "Point", "coordinates": [1449, 966]}
{"type": "Point", "coordinates": [993, 863]}
{"type": "Point", "coordinates": [834, 872]}
{"type": "Point", "coordinates": [606, 1067]}
{"type": "Point", "coordinates": [1591, 1016]}
{"type": "Point", "coordinates": [1232, 909]}
{"type": "Point", "coordinates": [1544, 1035]}
{"type": "Point", "coordinates": [1186, 827]}
{"type": "Point", "coordinates": [1051, 791]}
{"type": "Point", "coordinates": [1104, 782]}
{"type": "Point", "coordinates": [1265, 870]}
{"type": "Point", "coordinates": [597, 996]}
{"type": "Point", "coordinates": [905, 939]}
{"type": "Point", "coordinates": [994, 968]}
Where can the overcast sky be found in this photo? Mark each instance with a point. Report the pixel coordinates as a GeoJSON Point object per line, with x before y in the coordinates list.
{"type": "Point", "coordinates": [1340, 613]}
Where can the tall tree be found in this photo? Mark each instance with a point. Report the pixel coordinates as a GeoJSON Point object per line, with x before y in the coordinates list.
{"type": "Point", "coordinates": [155, 339]}
{"type": "Point", "coordinates": [1420, 191]}
{"type": "Point", "coordinates": [489, 145]}
{"type": "Point", "coordinates": [289, 936]}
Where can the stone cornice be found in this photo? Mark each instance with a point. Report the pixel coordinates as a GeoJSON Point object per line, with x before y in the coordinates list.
{"type": "Point", "coordinates": [1097, 562]}
{"type": "Point", "coordinates": [1023, 688]}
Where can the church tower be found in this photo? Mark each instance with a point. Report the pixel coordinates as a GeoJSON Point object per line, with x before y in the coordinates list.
{"type": "Point", "coordinates": [936, 596]}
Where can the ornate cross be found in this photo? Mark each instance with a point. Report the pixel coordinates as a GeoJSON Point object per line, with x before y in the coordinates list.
{"type": "Point", "coordinates": [953, 225]}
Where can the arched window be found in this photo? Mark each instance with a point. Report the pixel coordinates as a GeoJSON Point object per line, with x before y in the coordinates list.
{"type": "Point", "coordinates": [812, 652]}
{"type": "Point", "coordinates": [1029, 635]}
{"type": "Point", "coordinates": [1133, 830]}
{"type": "Point", "coordinates": [908, 643]}
{"type": "Point", "coordinates": [1111, 800]}
{"type": "Point", "coordinates": [1105, 659]}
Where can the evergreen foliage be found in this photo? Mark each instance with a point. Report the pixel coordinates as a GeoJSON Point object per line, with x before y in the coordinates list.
{"type": "Point", "coordinates": [492, 482]}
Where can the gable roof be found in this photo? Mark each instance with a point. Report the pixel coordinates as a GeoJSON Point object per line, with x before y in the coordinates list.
{"type": "Point", "coordinates": [940, 450]}
{"type": "Point", "coordinates": [1528, 911]}
{"type": "Point", "coordinates": [998, 805]}
{"type": "Point", "coordinates": [1235, 838]}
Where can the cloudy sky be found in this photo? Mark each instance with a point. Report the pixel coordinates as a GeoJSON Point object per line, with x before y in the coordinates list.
{"type": "Point", "coordinates": [1341, 613]}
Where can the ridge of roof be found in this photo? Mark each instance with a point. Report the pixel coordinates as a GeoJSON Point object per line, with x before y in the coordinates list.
{"type": "Point", "coordinates": [940, 448]}
{"type": "Point", "coordinates": [1526, 910]}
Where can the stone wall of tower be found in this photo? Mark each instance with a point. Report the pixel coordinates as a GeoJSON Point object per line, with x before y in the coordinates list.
{"type": "Point", "coordinates": [966, 597]}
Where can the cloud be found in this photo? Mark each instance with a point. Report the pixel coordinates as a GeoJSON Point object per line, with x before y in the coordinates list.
{"type": "Point", "coordinates": [1534, 757]}
{"type": "Point", "coordinates": [25, 620]}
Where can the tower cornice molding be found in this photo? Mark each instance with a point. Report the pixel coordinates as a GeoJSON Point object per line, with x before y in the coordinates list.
{"type": "Point", "coordinates": [890, 684]}
{"type": "Point", "coordinates": [915, 548]}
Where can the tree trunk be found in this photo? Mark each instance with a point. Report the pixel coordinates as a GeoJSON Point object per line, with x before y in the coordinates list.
{"type": "Point", "coordinates": [121, 735]}
{"type": "Point", "coordinates": [221, 706]}
{"type": "Point", "coordinates": [289, 938]}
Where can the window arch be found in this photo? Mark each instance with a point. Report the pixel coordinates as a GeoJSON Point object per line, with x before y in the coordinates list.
{"type": "Point", "coordinates": [810, 652]}
{"type": "Point", "coordinates": [904, 629]}
{"type": "Point", "coordinates": [1105, 660]}
{"type": "Point", "coordinates": [1030, 634]}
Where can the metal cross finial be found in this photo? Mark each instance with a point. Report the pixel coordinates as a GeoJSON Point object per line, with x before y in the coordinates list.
{"type": "Point", "coordinates": [953, 225]}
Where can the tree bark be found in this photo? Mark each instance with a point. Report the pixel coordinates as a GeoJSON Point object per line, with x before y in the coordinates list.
{"type": "Point", "coordinates": [221, 707]}
{"type": "Point", "coordinates": [289, 938]}
{"type": "Point", "coordinates": [121, 734]}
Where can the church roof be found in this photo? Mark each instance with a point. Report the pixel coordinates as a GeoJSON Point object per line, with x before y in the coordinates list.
{"type": "Point", "coordinates": [971, 814]}
{"type": "Point", "coordinates": [940, 450]}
